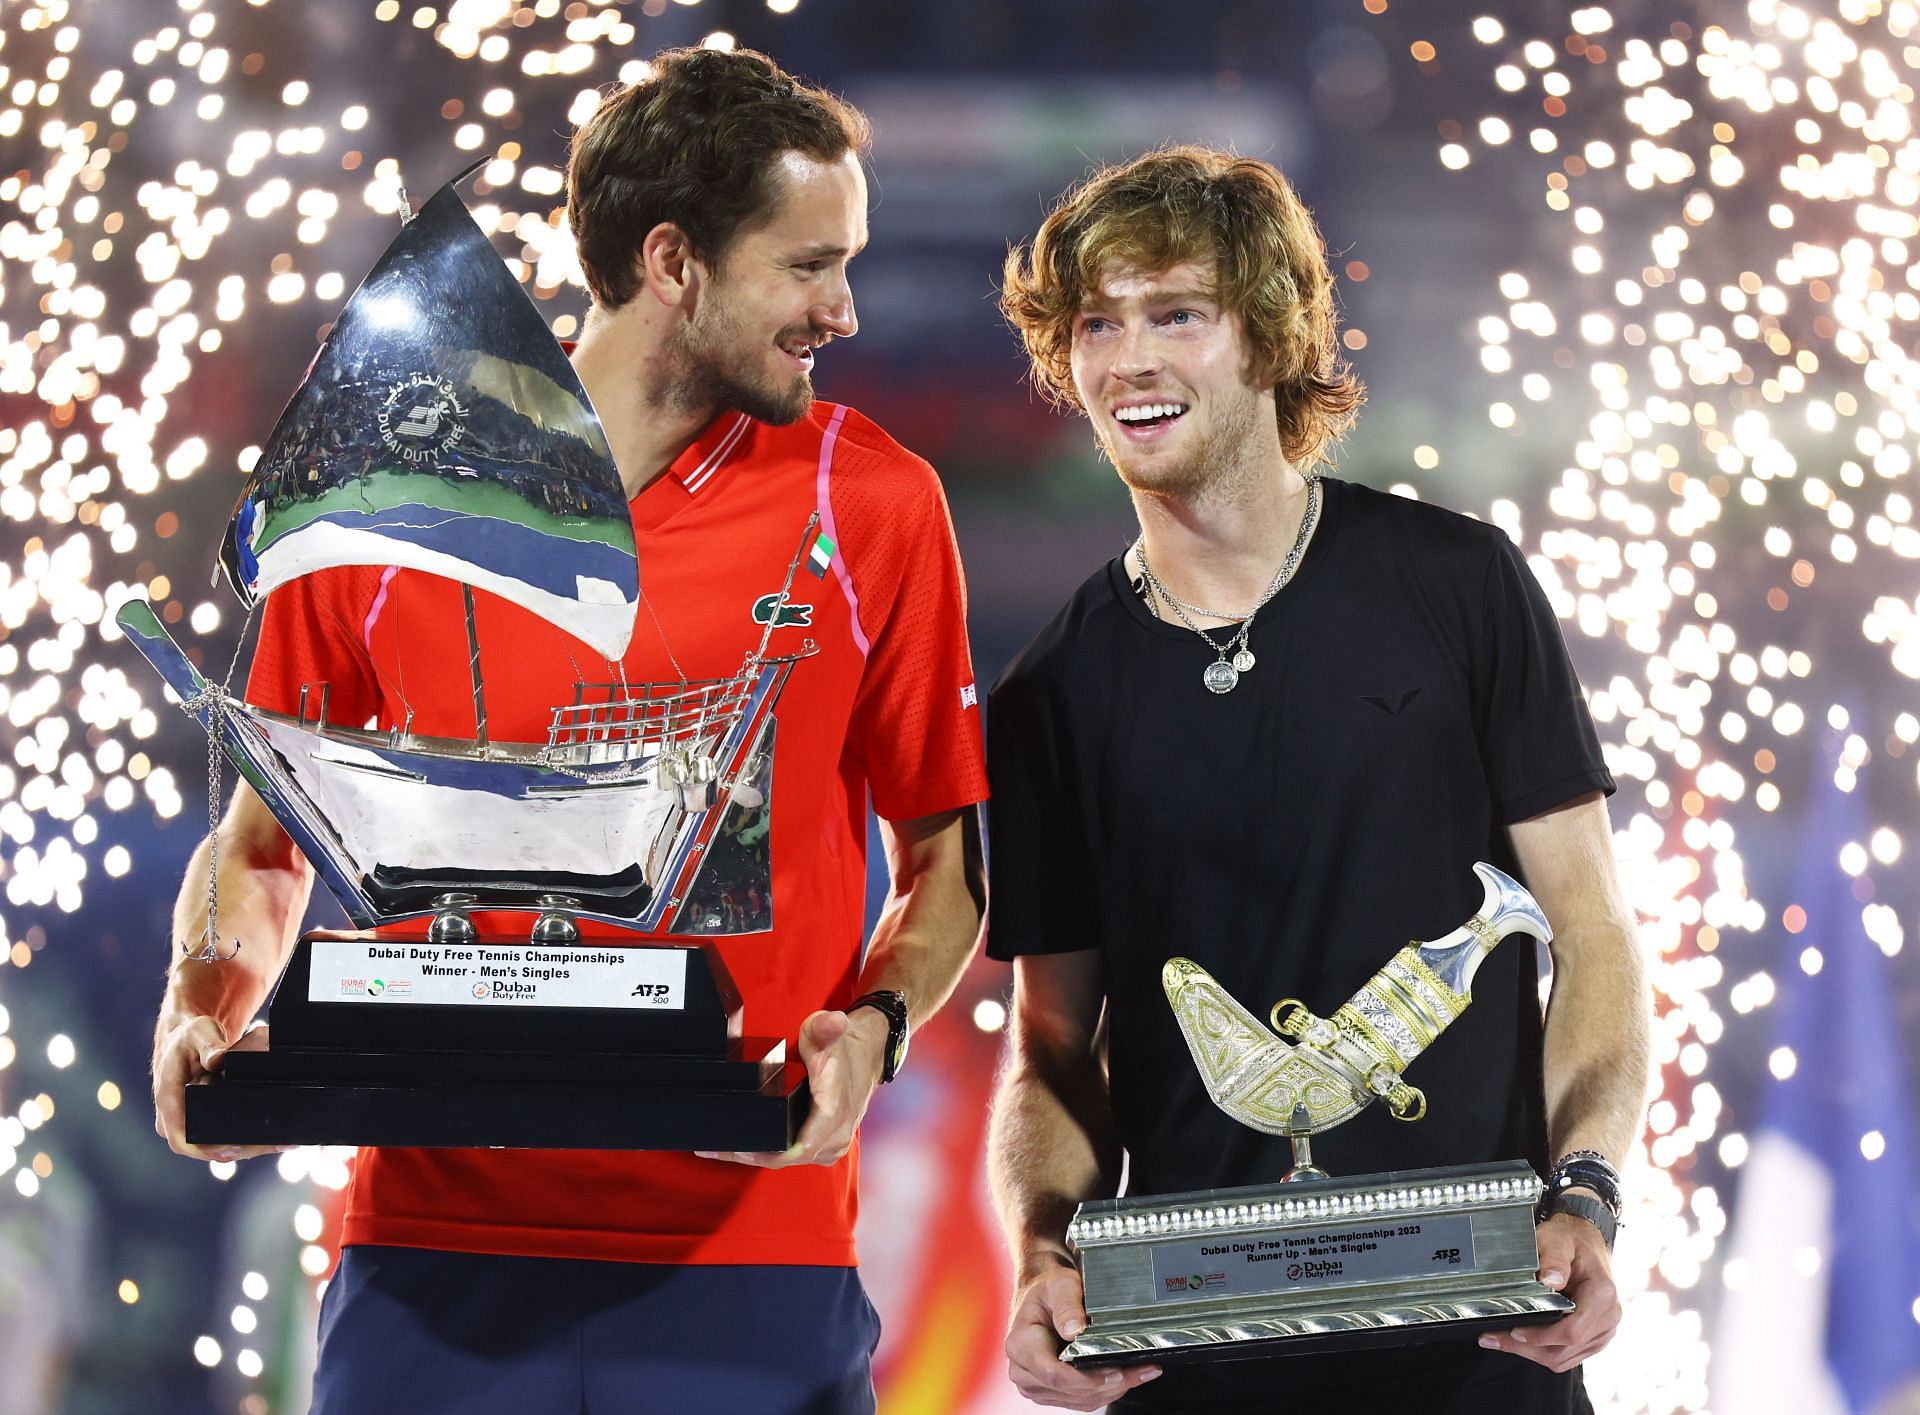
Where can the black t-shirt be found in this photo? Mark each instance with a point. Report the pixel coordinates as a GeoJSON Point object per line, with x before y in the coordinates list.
{"type": "Point", "coordinates": [1411, 697]}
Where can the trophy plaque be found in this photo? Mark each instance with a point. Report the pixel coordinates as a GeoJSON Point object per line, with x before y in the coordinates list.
{"type": "Point", "coordinates": [442, 429]}
{"type": "Point", "coordinates": [1315, 1262]}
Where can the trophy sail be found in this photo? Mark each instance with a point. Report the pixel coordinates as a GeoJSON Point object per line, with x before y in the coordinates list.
{"type": "Point", "coordinates": [441, 428]}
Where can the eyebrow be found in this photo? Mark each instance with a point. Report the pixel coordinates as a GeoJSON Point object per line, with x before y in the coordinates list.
{"type": "Point", "coordinates": [1096, 301]}
{"type": "Point", "coordinates": [826, 252]}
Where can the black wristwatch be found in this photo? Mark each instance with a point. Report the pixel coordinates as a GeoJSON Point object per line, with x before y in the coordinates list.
{"type": "Point", "coordinates": [892, 1005]}
{"type": "Point", "coordinates": [1594, 1211]}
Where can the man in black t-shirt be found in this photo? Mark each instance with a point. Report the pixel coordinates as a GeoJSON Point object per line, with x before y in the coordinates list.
{"type": "Point", "coordinates": [1274, 737]}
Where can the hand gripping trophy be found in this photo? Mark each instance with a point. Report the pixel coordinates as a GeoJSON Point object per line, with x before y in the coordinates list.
{"type": "Point", "coordinates": [442, 429]}
{"type": "Point", "coordinates": [1315, 1262]}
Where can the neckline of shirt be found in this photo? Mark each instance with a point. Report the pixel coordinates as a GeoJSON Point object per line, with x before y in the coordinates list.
{"type": "Point", "coordinates": [695, 472]}
{"type": "Point", "coordinates": [711, 450]}
{"type": "Point", "coordinates": [715, 446]}
{"type": "Point", "coordinates": [1332, 493]}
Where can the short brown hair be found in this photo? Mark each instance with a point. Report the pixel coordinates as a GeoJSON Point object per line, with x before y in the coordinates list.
{"type": "Point", "coordinates": [696, 143]}
{"type": "Point", "coordinates": [1193, 203]}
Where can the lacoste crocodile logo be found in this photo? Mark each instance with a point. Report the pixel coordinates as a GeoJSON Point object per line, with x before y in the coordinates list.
{"type": "Point", "coordinates": [790, 613]}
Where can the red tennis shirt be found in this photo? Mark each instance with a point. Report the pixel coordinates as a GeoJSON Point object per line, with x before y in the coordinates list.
{"type": "Point", "coordinates": [885, 709]}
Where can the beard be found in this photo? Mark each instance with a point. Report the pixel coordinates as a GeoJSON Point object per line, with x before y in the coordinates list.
{"type": "Point", "coordinates": [1212, 460]}
{"type": "Point", "coordinates": [715, 365]}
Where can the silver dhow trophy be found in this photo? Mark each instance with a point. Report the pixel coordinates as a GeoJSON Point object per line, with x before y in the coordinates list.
{"type": "Point", "coordinates": [1315, 1262]}
{"type": "Point", "coordinates": [442, 429]}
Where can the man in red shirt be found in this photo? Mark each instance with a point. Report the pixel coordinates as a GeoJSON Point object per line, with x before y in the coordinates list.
{"type": "Point", "coordinates": [716, 206]}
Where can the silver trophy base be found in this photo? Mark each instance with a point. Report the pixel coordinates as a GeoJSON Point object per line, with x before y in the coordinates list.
{"type": "Point", "coordinates": [1317, 1264]}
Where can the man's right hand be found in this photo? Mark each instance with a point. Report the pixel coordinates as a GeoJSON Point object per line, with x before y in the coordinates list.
{"type": "Point", "coordinates": [1048, 1312]}
{"type": "Point", "coordinates": [188, 1055]}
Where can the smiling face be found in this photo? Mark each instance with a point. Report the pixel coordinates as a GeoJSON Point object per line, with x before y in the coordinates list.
{"type": "Point", "coordinates": [1162, 371]}
{"type": "Point", "coordinates": [779, 292]}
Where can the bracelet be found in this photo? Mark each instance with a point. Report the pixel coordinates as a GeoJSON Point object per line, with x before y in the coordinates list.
{"type": "Point", "coordinates": [1592, 1170]}
{"type": "Point", "coordinates": [1587, 1169]}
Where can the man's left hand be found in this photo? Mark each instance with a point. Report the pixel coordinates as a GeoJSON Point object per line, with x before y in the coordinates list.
{"type": "Point", "coordinates": [844, 1054]}
{"type": "Point", "coordinates": [1573, 1260]}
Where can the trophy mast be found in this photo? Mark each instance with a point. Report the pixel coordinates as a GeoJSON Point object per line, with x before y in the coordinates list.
{"type": "Point", "coordinates": [473, 671]}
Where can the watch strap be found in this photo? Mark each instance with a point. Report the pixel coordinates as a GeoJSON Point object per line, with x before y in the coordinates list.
{"type": "Point", "coordinates": [891, 1004]}
{"type": "Point", "coordinates": [1594, 1211]}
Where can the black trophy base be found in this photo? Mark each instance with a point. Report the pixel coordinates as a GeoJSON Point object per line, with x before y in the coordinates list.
{"type": "Point", "coordinates": [753, 1099]}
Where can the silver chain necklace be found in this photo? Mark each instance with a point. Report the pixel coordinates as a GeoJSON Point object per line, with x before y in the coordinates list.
{"type": "Point", "coordinates": [1223, 674]}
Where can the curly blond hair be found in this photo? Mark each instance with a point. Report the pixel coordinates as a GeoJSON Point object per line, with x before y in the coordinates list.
{"type": "Point", "coordinates": [1193, 203]}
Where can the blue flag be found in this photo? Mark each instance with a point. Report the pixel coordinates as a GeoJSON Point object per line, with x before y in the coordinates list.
{"type": "Point", "coordinates": [1826, 1221]}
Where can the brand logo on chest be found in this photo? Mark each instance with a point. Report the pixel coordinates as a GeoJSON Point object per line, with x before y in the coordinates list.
{"type": "Point", "coordinates": [1392, 704]}
{"type": "Point", "coordinates": [790, 613]}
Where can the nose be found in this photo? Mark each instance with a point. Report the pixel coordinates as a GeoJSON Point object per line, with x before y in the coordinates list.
{"type": "Point", "coordinates": [1134, 356]}
{"type": "Point", "coordinates": [835, 313]}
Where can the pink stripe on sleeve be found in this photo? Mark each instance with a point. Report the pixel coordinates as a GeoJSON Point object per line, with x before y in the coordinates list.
{"type": "Point", "coordinates": [379, 603]}
{"type": "Point", "coordinates": [824, 497]}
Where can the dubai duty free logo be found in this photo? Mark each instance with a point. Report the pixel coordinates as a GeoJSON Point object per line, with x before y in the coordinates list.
{"type": "Point", "coordinates": [421, 418]}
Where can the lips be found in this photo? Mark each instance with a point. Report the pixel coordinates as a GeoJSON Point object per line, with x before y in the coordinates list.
{"type": "Point", "coordinates": [799, 351]}
{"type": "Point", "coordinates": [1144, 422]}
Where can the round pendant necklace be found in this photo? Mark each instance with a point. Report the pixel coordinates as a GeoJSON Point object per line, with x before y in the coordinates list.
{"type": "Point", "coordinates": [1233, 657]}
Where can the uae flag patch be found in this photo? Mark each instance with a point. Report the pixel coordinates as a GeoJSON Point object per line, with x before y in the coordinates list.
{"type": "Point", "coordinates": [820, 557]}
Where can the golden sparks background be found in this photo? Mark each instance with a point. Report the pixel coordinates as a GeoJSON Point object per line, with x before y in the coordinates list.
{"type": "Point", "coordinates": [1718, 348]}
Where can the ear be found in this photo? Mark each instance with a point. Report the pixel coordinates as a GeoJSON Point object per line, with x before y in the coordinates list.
{"type": "Point", "coordinates": [668, 269]}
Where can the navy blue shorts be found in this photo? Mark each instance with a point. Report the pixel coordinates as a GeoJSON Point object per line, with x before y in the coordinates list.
{"type": "Point", "coordinates": [409, 1329]}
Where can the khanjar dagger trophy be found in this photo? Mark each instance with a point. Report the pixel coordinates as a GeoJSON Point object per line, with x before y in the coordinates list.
{"type": "Point", "coordinates": [1316, 1262]}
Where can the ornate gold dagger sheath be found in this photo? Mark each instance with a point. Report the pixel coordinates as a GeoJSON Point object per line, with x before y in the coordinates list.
{"type": "Point", "coordinates": [1333, 1068]}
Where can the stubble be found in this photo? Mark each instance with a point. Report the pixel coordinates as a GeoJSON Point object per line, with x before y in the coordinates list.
{"type": "Point", "coordinates": [713, 367]}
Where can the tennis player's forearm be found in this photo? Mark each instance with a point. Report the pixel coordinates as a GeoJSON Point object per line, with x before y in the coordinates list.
{"type": "Point", "coordinates": [1047, 1152]}
{"type": "Point", "coordinates": [930, 927]}
{"type": "Point", "coordinates": [264, 883]}
{"type": "Point", "coordinates": [1596, 1049]}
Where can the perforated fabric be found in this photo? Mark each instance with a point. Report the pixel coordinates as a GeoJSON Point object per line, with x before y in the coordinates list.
{"type": "Point", "coordinates": [918, 694]}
